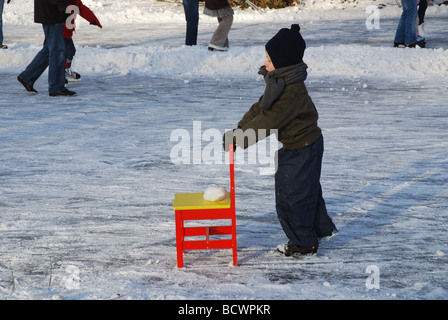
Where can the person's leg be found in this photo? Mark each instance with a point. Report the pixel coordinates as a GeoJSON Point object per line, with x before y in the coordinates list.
{"type": "Point", "coordinates": [220, 37]}
{"type": "Point", "coordinates": [323, 224]}
{"type": "Point", "coordinates": [37, 66]}
{"type": "Point", "coordinates": [69, 51]}
{"type": "Point", "coordinates": [423, 5]}
{"type": "Point", "coordinates": [56, 49]}
{"type": "Point", "coordinates": [399, 34]}
{"type": "Point", "coordinates": [297, 194]}
{"type": "Point", "coordinates": [410, 31]}
{"type": "Point", "coordinates": [2, 4]}
{"type": "Point", "coordinates": [191, 9]}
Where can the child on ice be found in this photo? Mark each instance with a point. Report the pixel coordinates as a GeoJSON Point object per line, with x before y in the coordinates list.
{"type": "Point", "coordinates": [287, 107]}
{"type": "Point", "coordinates": [76, 7]}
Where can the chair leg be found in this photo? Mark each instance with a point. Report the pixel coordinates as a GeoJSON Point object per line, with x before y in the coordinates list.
{"type": "Point", "coordinates": [234, 245]}
{"type": "Point", "coordinates": [180, 259]}
{"type": "Point", "coordinates": [179, 239]}
{"type": "Point", "coordinates": [235, 257]}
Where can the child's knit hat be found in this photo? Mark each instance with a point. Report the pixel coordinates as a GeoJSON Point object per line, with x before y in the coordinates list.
{"type": "Point", "coordinates": [287, 47]}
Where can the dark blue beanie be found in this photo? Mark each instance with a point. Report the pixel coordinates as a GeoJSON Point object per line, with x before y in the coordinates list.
{"type": "Point", "coordinates": [287, 47]}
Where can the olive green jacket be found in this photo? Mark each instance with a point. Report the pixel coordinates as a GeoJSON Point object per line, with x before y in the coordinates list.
{"type": "Point", "coordinates": [293, 114]}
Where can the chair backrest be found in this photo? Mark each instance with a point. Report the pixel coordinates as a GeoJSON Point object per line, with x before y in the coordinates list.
{"type": "Point", "coordinates": [232, 175]}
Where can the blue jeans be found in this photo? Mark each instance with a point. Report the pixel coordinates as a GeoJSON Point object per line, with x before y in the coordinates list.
{"type": "Point", "coordinates": [52, 56]}
{"type": "Point", "coordinates": [300, 206]}
{"type": "Point", "coordinates": [406, 30]}
{"type": "Point", "coordinates": [191, 8]}
{"type": "Point", "coordinates": [2, 3]}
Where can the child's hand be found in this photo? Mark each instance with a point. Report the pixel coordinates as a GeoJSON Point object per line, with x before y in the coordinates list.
{"type": "Point", "coordinates": [97, 23]}
{"type": "Point", "coordinates": [227, 139]}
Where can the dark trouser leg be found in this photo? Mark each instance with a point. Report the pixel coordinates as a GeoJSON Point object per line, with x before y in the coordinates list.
{"type": "Point", "coordinates": [300, 206]}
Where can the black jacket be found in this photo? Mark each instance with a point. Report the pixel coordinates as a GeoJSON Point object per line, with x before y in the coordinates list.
{"type": "Point", "coordinates": [218, 8]}
{"type": "Point", "coordinates": [50, 11]}
{"type": "Point", "coordinates": [216, 4]}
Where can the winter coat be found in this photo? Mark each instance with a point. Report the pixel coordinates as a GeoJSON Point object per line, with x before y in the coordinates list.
{"type": "Point", "coordinates": [50, 11]}
{"type": "Point", "coordinates": [84, 12]}
{"type": "Point", "coordinates": [293, 114]}
{"type": "Point", "coordinates": [218, 8]}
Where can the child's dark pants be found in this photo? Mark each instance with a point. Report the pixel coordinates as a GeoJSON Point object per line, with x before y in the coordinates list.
{"type": "Point", "coordinates": [300, 206]}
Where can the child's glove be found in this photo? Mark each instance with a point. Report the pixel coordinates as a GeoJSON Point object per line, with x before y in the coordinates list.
{"type": "Point", "coordinates": [227, 139]}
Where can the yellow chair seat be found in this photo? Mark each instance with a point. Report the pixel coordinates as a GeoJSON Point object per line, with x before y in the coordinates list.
{"type": "Point", "coordinates": [194, 201]}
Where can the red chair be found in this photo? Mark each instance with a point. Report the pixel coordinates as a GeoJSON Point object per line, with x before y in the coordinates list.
{"type": "Point", "coordinates": [192, 206]}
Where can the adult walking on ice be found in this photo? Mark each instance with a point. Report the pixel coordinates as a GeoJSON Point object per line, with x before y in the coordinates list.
{"type": "Point", "coordinates": [287, 108]}
{"type": "Point", "coordinates": [224, 12]}
{"type": "Point", "coordinates": [51, 14]}
{"type": "Point", "coordinates": [406, 34]}
{"type": "Point", "coordinates": [2, 4]}
{"type": "Point", "coordinates": [191, 10]}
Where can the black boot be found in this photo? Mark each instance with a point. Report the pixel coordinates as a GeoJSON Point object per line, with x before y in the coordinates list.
{"type": "Point", "coordinates": [27, 86]}
{"type": "Point", "coordinates": [64, 93]}
{"type": "Point", "coordinates": [289, 249]}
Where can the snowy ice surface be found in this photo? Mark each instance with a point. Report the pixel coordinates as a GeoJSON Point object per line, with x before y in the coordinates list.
{"type": "Point", "coordinates": [87, 183]}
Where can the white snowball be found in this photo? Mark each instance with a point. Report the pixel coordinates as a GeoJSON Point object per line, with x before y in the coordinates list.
{"type": "Point", "coordinates": [214, 193]}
